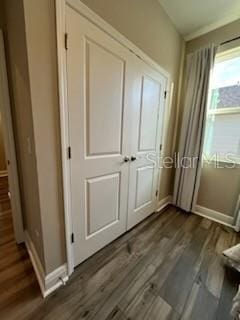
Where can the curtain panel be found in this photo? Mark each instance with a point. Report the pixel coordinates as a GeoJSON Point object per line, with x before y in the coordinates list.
{"type": "Point", "coordinates": [188, 170]}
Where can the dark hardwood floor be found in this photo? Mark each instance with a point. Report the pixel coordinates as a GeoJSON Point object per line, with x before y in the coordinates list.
{"type": "Point", "coordinates": [168, 267]}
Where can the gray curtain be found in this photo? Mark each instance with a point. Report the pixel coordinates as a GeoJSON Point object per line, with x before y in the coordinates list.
{"type": "Point", "coordinates": [188, 170]}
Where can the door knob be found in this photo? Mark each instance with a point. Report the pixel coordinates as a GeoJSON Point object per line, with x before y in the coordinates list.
{"type": "Point", "coordinates": [126, 159]}
{"type": "Point", "coordinates": [133, 158]}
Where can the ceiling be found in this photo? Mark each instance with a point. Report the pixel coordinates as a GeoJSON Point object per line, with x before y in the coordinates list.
{"type": "Point", "coordinates": [193, 18]}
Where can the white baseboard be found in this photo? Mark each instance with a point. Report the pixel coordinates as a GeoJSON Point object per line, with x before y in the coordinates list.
{"type": "Point", "coordinates": [201, 211]}
{"type": "Point", "coordinates": [50, 282]}
{"type": "Point", "coordinates": [3, 173]}
{"type": "Point", "coordinates": [163, 203]}
{"type": "Point", "coordinates": [213, 215]}
{"type": "Point", "coordinates": [55, 279]}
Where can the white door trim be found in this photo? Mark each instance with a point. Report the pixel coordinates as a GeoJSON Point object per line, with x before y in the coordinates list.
{"type": "Point", "coordinates": [10, 147]}
{"type": "Point", "coordinates": [62, 88]}
{"type": "Point", "coordinates": [62, 78]}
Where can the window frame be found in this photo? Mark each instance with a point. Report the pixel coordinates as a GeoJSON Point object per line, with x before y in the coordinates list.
{"type": "Point", "coordinates": [228, 110]}
{"type": "Point", "coordinates": [221, 57]}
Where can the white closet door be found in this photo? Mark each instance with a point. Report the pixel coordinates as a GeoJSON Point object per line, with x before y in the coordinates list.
{"type": "Point", "coordinates": [147, 122]}
{"type": "Point", "coordinates": [98, 92]}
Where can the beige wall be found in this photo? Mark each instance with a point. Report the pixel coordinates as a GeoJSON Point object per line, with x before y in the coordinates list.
{"type": "Point", "coordinates": [219, 188]}
{"type": "Point", "coordinates": [14, 34]}
{"type": "Point", "coordinates": [146, 24]}
{"type": "Point", "coordinates": [42, 65]}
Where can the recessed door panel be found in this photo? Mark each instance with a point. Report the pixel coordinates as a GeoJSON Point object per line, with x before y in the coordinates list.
{"type": "Point", "coordinates": [104, 76]}
{"type": "Point", "coordinates": [150, 95]}
{"type": "Point", "coordinates": [102, 202]}
{"type": "Point", "coordinates": [144, 186]}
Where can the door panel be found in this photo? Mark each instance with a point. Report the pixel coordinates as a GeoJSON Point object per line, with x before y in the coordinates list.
{"type": "Point", "coordinates": [146, 133]}
{"type": "Point", "coordinates": [99, 82]}
{"type": "Point", "coordinates": [102, 202]}
{"type": "Point", "coordinates": [104, 110]}
{"type": "Point", "coordinates": [144, 186]}
{"type": "Point", "coordinates": [150, 95]}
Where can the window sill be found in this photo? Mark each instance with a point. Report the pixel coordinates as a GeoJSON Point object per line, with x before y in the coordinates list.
{"type": "Point", "coordinates": [222, 111]}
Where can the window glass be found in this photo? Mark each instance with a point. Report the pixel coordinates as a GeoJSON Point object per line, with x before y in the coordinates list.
{"type": "Point", "coordinates": [222, 135]}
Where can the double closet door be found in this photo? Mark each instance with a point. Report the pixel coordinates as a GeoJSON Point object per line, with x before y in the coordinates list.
{"type": "Point", "coordinates": [115, 105]}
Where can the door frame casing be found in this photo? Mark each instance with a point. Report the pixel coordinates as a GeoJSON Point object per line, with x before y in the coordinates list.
{"type": "Point", "coordinates": [83, 10]}
{"type": "Point", "coordinates": [9, 145]}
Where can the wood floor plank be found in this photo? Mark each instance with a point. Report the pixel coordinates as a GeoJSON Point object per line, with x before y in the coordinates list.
{"type": "Point", "coordinates": [201, 273]}
{"type": "Point", "coordinates": [117, 314]}
{"type": "Point", "coordinates": [229, 289]}
{"type": "Point", "coordinates": [205, 305]}
{"type": "Point", "coordinates": [215, 275]}
{"type": "Point", "coordinates": [161, 310]}
{"type": "Point", "coordinates": [184, 273]}
{"type": "Point", "coordinates": [209, 281]}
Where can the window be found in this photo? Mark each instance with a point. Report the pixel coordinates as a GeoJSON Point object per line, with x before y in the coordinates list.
{"type": "Point", "coordinates": [222, 136]}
